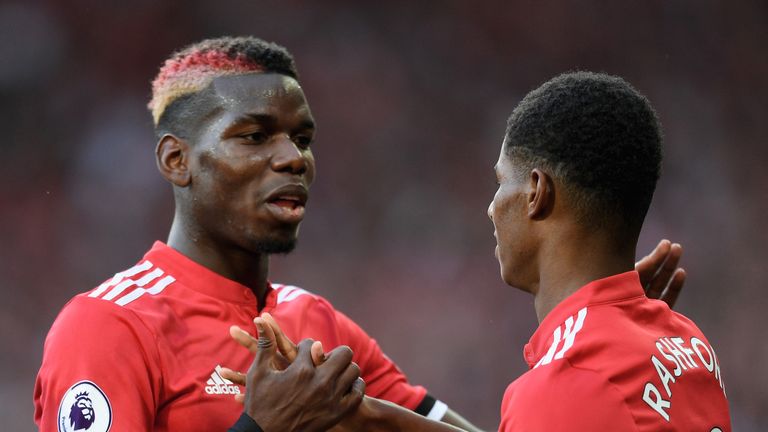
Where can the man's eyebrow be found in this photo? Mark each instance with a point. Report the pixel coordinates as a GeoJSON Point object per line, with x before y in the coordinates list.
{"type": "Point", "coordinates": [307, 124]}
{"type": "Point", "coordinates": [254, 118]}
{"type": "Point", "coordinates": [269, 119]}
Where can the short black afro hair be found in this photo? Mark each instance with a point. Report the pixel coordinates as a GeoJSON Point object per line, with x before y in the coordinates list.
{"type": "Point", "coordinates": [600, 137]}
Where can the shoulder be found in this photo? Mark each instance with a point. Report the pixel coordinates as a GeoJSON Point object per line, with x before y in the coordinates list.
{"type": "Point", "coordinates": [314, 316]}
{"type": "Point", "coordinates": [91, 325]}
{"type": "Point", "coordinates": [583, 398]}
{"type": "Point", "coordinates": [286, 293]}
{"type": "Point", "coordinates": [594, 338]}
{"type": "Point", "coordinates": [127, 287]}
{"type": "Point", "coordinates": [292, 296]}
{"type": "Point", "coordinates": [111, 308]}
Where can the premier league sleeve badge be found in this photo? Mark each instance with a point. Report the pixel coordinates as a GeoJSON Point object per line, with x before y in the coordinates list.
{"type": "Point", "coordinates": [85, 407]}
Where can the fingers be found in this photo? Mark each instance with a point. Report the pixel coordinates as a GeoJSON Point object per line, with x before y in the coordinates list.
{"type": "Point", "coordinates": [304, 355]}
{"type": "Point", "coordinates": [664, 276]}
{"type": "Point", "coordinates": [318, 355]}
{"type": "Point", "coordinates": [266, 334]}
{"type": "Point", "coordinates": [659, 268]}
{"type": "Point", "coordinates": [266, 345]}
{"type": "Point", "coordinates": [649, 264]}
{"type": "Point", "coordinates": [244, 338]}
{"type": "Point", "coordinates": [352, 400]}
{"type": "Point", "coordinates": [234, 376]}
{"type": "Point", "coordinates": [347, 379]}
{"type": "Point", "coordinates": [337, 360]}
{"type": "Point", "coordinates": [284, 344]}
{"type": "Point", "coordinates": [675, 286]}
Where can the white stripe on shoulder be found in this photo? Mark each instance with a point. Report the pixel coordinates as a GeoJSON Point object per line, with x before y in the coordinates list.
{"type": "Point", "coordinates": [118, 277]}
{"type": "Point", "coordinates": [288, 293]}
{"type": "Point", "coordinates": [124, 280]}
{"type": "Point", "coordinates": [155, 289]}
{"type": "Point", "coordinates": [566, 335]}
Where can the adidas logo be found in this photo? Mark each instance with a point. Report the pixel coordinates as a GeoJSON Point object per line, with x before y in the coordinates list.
{"type": "Point", "coordinates": [217, 384]}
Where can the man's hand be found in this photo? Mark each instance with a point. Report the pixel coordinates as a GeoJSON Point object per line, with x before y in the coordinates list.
{"type": "Point", "coordinates": [659, 272]}
{"type": "Point", "coordinates": [284, 394]}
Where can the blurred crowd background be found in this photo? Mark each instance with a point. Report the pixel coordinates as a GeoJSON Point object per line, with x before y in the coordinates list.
{"type": "Point", "coordinates": [411, 100]}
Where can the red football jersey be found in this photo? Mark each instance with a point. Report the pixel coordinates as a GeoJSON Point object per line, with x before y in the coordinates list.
{"type": "Point", "coordinates": [609, 359]}
{"type": "Point", "coordinates": [142, 351]}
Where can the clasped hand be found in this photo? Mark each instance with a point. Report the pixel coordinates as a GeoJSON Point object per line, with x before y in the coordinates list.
{"type": "Point", "coordinates": [295, 388]}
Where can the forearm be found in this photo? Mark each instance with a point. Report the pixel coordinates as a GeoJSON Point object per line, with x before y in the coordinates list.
{"type": "Point", "coordinates": [375, 415]}
{"type": "Point", "coordinates": [453, 418]}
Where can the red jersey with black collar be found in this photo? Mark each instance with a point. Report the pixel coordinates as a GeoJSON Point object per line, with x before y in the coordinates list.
{"type": "Point", "coordinates": [142, 351]}
{"type": "Point", "coordinates": [607, 358]}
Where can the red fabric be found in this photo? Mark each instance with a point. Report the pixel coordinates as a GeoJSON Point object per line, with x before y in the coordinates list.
{"type": "Point", "coordinates": [599, 382]}
{"type": "Point", "coordinates": [153, 356]}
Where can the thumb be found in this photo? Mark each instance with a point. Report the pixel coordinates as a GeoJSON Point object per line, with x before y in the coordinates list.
{"type": "Point", "coordinates": [316, 351]}
{"type": "Point", "coordinates": [284, 344]}
{"type": "Point", "coordinates": [266, 344]}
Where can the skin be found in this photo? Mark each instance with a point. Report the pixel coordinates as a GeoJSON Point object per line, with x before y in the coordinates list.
{"type": "Point", "coordinates": [544, 249]}
{"type": "Point", "coordinates": [252, 146]}
{"type": "Point", "coordinates": [255, 141]}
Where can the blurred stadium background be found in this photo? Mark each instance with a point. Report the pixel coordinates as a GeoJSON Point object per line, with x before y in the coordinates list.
{"type": "Point", "coordinates": [411, 100]}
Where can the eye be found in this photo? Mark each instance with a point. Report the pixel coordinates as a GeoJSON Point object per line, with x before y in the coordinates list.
{"type": "Point", "coordinates": [256, 137]}
{"type": "Point", "coordinates": [303, 141]}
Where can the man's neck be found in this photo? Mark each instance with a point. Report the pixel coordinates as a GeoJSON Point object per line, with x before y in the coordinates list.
{"type": "Point", "coordinates": [565, 267]}
{"type": "Point", "coordinates": [241, 266]}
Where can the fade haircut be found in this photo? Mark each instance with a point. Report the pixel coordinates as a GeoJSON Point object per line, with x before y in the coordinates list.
{"type": "Point", "coordinates": [181, 90]}
{"type": "Point", "coordinates": [600, 137]}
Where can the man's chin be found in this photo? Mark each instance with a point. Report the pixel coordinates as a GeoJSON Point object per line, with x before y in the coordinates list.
{"type": "Point", "coordinates": [274, 246]}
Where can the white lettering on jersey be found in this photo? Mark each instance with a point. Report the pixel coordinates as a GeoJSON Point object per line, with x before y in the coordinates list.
{"type": "Point", "coordinates": [568, 336]}
{"type": "Point", "coordinates": [674, 350]}
{"type": "Point", "coordinates": [217, 384]}
{"type": "Point", "coordinates": [657, 402]}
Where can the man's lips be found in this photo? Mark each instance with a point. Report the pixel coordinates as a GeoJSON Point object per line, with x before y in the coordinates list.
{"type": "Point", "coordinates": [287, 202]}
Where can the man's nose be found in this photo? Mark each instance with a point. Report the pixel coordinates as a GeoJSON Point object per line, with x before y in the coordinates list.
{"type": "Point", "coordinates": [289, 157]}
{"type": "Point", "coordinates": [490, 211]}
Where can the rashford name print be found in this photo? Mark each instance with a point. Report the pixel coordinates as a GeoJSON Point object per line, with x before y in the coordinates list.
{"type": "Point", "coordinates": [682, 357]}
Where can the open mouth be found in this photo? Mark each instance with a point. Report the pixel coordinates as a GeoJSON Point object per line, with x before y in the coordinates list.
{"type": "Point", "coordinates": [287, 203]}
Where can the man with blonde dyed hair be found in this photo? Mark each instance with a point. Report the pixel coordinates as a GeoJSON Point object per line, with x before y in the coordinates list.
{"type": "Point", "coordinates": [142, 351]}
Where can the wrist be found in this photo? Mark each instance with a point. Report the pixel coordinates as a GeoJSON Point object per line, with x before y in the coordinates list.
{"type": "Point", "coordinates": [376, 415]}
{"type": "Point", "coordinates": [245, 424]}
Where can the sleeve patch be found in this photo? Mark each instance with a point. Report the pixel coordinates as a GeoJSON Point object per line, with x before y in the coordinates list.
{"type": "Point", "coordinates": [84, 407]}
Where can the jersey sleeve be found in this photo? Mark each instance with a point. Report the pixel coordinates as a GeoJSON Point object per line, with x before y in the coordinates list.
{"type": "Point", "coordinates": [383, 379]}
{"type": "Point", "coordinates": [100, 371]}
{"type": "Point", "coordinates": [576, 400]}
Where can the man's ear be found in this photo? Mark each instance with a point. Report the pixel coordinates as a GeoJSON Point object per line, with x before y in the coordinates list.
{"type": "Point", "coordinates": [172, 157]}
{"type": "Point", "coordinates": [541, 195]}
